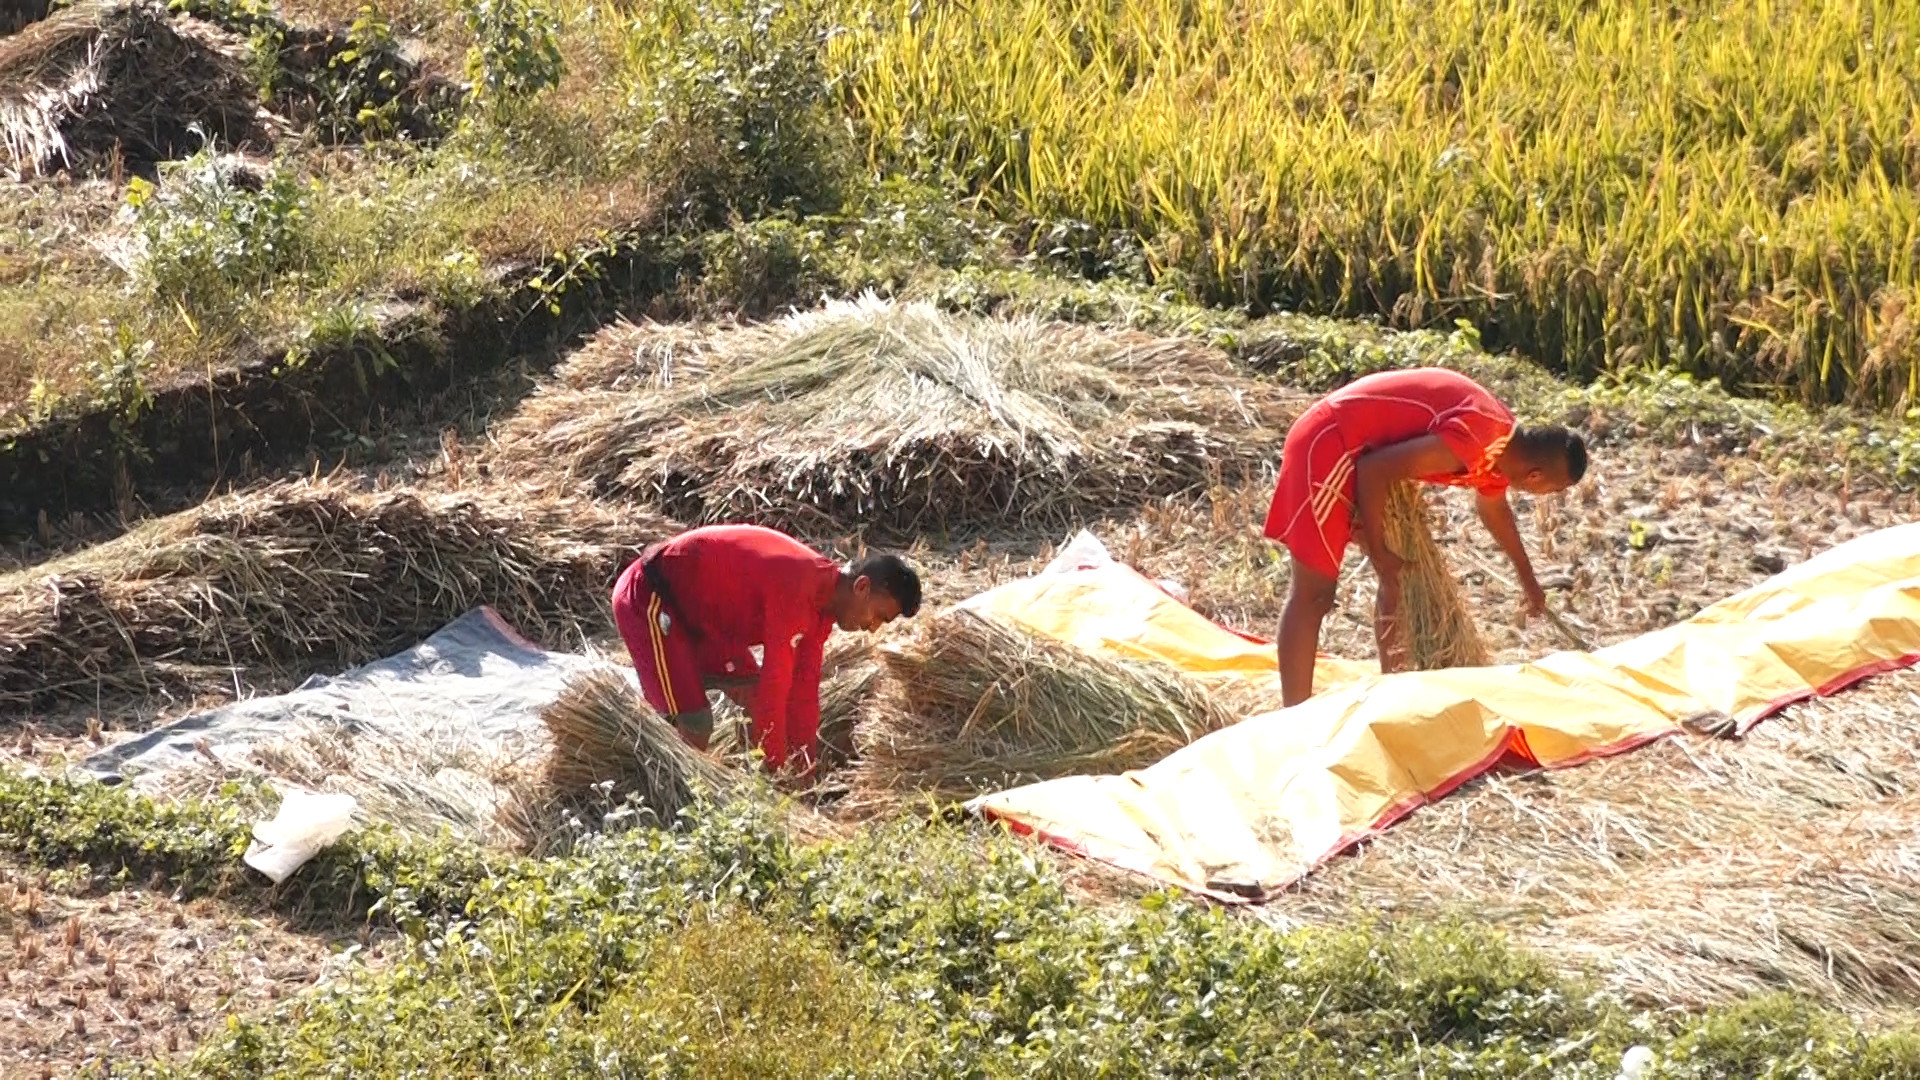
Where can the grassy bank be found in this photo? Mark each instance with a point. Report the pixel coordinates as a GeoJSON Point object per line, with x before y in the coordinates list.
{"type": "Point", "coordinates": [1725, 188]}
{"type": "Point", "coordinates": [722, 949]}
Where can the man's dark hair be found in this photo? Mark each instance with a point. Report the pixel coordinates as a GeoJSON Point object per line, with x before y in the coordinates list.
{"type": "Point", "coordinates": [1555, 442]}
{"type": "Point", "coordinates": [891, 574]}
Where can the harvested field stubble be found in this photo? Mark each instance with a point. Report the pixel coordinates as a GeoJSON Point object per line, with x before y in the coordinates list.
{"type": "Point", "coordinates": [973, 704]}
{"type": "Point", "coordinates": [897, 417]}
{"type": "Point", "coordinates": [113, 79]}
{"type": "Point", "coordinates": [300, 577]}
{"type": "Point", "coordinates": [1692, 871]}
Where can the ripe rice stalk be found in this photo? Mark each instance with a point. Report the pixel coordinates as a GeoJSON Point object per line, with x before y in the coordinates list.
{"type": "Point", "coordinates": [1436, 626]}
{"type": "Point", "coordinates": [1370, 168]}
{"type": "Point", "coordinates": [109, 79]}
{"type": "Point", "coordinates": [894, 416]}
{"type": "Point", "coordinates": [300, 577]}
{"type": "Point", "coordinates": [973, 704]}
{"type": "Point", "coordinates": [607, 745]}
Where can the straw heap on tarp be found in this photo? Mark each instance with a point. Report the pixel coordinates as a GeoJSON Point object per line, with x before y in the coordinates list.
{"type": "Point", "coordinates": [1245, 811]}
{"type": "Point", "coordinates": [435, 736]}
{"type": "Point", "coordinates": [608, 745]}
{"type": "Point", "coordinates": [973, 702]}
{"type": "Point", "coordinates": [894, 416]}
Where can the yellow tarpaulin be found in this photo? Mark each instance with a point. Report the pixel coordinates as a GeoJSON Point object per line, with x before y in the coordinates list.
{"type": "Point", "coordinates": [1247, 810]}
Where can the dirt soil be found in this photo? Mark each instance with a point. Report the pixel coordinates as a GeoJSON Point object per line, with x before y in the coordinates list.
{"type": "Point", "coordinates": [132, 974]}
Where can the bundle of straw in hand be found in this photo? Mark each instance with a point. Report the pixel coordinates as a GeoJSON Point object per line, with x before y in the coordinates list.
{"type": "Point", "coordinates": [1435, 624]}
{"type": "Point", "coordinates": [974, 704]}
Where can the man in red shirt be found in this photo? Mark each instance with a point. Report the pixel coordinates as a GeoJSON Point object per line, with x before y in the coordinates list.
{"type": "Point", "coordinates": [1427, 424]}
{"type": "Point", "coordinates": [690, 608]}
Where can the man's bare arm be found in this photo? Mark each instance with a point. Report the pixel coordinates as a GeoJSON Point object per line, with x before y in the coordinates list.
{"type": "Point", "coordinates": [1497, 515]}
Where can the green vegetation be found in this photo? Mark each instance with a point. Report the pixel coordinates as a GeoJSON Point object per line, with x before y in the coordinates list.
{"type": "Point", "coordinates": [722, 949]}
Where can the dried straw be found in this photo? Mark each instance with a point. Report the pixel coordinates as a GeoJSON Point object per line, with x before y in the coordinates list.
{"type": "Point", "coordinates": [894, 416]}
{"type": "Point", "coordinates": [423, 783]}
{"type": "Point", "coordinates": [300, 577]}
{"type": "Point", "coordinates": [608, 745]}
{"type": "Point", "coordinates": [112, 77]}
{"type": "Point", "coordinates": [1691, 872]}
{"type": "Point", "coordinates": [973, 704]}
{"type": "Point", "coordinates": [1436, 625]}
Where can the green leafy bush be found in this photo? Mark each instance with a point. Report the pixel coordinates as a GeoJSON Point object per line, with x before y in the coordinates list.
{"type": "Point", "coordinates": [732, 99]}
{"type": "Point", "coordinates": [515, 54]}
{"type": "Point", "coordinates": [209, 234]}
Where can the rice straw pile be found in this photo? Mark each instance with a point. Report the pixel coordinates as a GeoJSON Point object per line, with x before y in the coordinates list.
{"type": "Point", "coordinates": [426, 783]}
{"type": "Point", "coordinates": [108, 77]}
{"type": "Point", "coordinates": [1436, 626]}
{"type": "Point", "coordinates": [893, 416]}
{"type": "Point", "coordinates": [300, 577]}
{"type": "Point", "coordinates": [973, 704]}
{"type": "Point", "coordinates": [1691, 872]}
{"type": "Point", "coordinates": [608, 745]}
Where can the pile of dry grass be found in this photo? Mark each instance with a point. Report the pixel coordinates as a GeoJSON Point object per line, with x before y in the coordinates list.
{"type": "Point", "coordinates": [609, 746]}
{"type": "Point", "coordinates": [894, 416]}
{"type": "Point", "coordinates": [1436, 625]}
{"type": "Point", "coordinates": [972, 704]}
{"type": "Point", "coordinates": [299, 577]}
{"type": "Point", "coordinates": [433, 782]}
{"type": "Point", "coordinates": [1691, 872]}
{"type": "Point", "coordinates": [109, 79]}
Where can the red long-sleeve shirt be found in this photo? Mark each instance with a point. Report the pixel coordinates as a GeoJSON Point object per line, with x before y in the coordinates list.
{"type": "Point", "coordinates": [736, 586]}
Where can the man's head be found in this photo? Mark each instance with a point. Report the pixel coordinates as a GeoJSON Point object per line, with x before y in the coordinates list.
{"type": "Point", "coordinates": [1543, 460]}
{"type": "Point", "coordinates": [875, 591]}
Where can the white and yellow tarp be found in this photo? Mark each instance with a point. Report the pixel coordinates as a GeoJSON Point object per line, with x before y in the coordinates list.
{"type": "Point", "coordinates": [1245, 811]}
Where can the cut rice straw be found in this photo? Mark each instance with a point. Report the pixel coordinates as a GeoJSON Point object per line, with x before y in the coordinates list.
{"type": "Point", "coordinates": [607, 746]}
{"type": "Point", "coordinates": [1436, 626]}
{"type": "Point", "coordinates": [973, 704]}
{"type": "Point", "coordinates": [297, 578]}
{"type": "Point", "coordinates": [894, 416]}
{"type": "Point", "coordinates": [1689, 873]}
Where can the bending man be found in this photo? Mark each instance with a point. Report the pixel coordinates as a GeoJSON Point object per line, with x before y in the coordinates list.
{"type": "Point", "coordinates": [690, 608]}
{"type": "Point", "coordinates": [1341, 456]}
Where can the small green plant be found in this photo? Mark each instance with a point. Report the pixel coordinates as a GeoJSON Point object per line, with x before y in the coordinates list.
{"type": "Point", "coordinates": [515, 54]}
{"type": "Point", "coordinates": [361, 86]}
{"type": "Point", "coordinates": [207, 239]}
{"type": "Point", "coordinates": [732, 101]}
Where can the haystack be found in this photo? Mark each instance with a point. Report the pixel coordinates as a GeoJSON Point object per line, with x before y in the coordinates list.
{"type": "Point", "coordinates": [299, 577]}
{"type": "Point", "coordinates": [1436, 625]}
{"type": "Point", "coordinates": [113, 77]}
{"type": "Point", "coordinates": [894, 416]}
{"type": "Point", "coordinates": [609, 746]}
{"type": "Point", "coordinates": [974, 704]}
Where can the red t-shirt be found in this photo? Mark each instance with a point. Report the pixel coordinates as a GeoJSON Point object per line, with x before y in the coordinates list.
{"type": "Point", "coordinates": [1394, 406]}
{"type": "Point", "coordinates": [736, 586]}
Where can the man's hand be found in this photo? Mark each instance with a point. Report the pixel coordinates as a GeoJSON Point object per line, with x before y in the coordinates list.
{"type": "Point", "coordinates": [1536, 600]}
